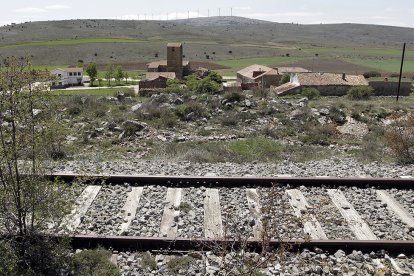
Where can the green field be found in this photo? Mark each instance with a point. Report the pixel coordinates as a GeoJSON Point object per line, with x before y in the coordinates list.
{"type": "Point", "coordinates": [389, 65]}
{"type": "Point", "coordinates": [92, 92]}
{"type": "Point", "coordinates": [73, 42]}
{"type": "Point", "coordinates": [362, 51]}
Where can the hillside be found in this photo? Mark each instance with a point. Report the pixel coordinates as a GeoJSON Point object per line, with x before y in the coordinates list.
{"type": "Point", "coordinates": [214, 38]}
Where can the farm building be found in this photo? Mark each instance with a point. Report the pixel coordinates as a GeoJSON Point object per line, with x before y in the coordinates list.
{"type": "Point", "coordinates": [156, 80]}
{"type": "Point", "coordinates": [390, 88]}
{"type": "Point", "coordinates": [174, 62]}
{"type": "Point", "coordinates": [328, 84]}
{"type": "Point", "coordinates": [264, 77]}
{"type": "Point", "coordinates": [67, 77]}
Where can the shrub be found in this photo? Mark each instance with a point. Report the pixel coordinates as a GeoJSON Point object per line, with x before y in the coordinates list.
{"type": "Point", "coordinates": [311, 93]}
{"type": "Point", "coordinates": [174, 86]}
{"type": "Point", "coordinates": [320, 135]}
{"type": "Point", "coordinates": [261, 93]}
{"type": "Point", "coordinates": [337, 115]}
{"type": "Point", "coordinates": [211, 83]}
{"type": "Point", "coordinates": [285, 78]}
{"type": "Point", "coordinates": [360, 93]}
{"type": "Point", "coordinates": [372, 74]}
{"type": "Point", "coordinates": [99, 113]}
{"type": "Point", "coordinates": [179, 263]}
{"type": "Point", "coordinates": [400, 138]}
{"type": "Point", "coordinates": [214, 76]}
{"type": "Point", "coordinates": [184, 110]}
{"type": "Point", "coordinates": [8, 261]}
{"type": "Point", "coordinates": [234, 96]}
{"type": "Point", "coordinates": [148, 261]}
{"type": "Point", "coordinates": [94, 262]}
{"type": "Point", "coordinates": [167, 119]}
{"type": "Point", "coordinates": [229, 120]}
{"type": "Point", "coordinates": [372, 147]}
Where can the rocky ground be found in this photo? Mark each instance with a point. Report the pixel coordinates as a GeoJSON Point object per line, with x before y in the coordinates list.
{"type": "Point", "coordinates": [306, 262]}
{"type": "Point", "coordinates": [327, 167]}
{"type": "Point", "coordinates": [199, 135]}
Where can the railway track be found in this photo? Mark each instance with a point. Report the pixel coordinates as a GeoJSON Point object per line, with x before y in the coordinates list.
{"type": "Point", "coordinates": [175, 214]}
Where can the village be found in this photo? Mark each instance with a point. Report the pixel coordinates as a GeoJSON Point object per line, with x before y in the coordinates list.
{"type": "Point", "coordinates": [279, 80]}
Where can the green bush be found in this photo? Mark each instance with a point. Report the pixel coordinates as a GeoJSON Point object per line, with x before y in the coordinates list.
{"type": "Point", "coordinates": [234, 96]}
{"type": "Point", "coordinates": [285, 79]}
{"type": "Point", "coordinates": [174, 86]}
{"type": "Point", "coordinates": [211, 83]}
{"type": "Point", "coordinates": [184, 110]}
{"type": "Point", "coordinates": [94, 262]}
{"type": "Point", "coordinates": [311, 93]}
{"type": "Point", "coordinates": [360, 92]}
{"type": "Point", "coordinates": [319, 135]}
{"type": "Point", "coordinates": [179, 263]}
{"type": "Point", "coordinates": [372, 74]}
{"type": "Point", "coordinates": [148, 261]}
{"type": "Point", "coordinates": [337, 115]}
{"type": "Point", "coordinates": [8, 261]}
{"type": "Point", "coordinates": [214, 76]}
{"type": "Point", "coordinates": [229, 120]}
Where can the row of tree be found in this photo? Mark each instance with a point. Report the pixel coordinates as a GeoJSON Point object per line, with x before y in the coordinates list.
{"type": "Point", "coordinates": [111, 72]}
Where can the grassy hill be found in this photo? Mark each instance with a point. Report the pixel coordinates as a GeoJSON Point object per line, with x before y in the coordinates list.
{"type": "Point", "coordinates": [227, 40]}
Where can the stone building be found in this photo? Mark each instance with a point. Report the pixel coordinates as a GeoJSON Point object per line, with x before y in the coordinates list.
{"type": "Point", "coordinates": [328, 84]}
{"type": "Point", "coordinates": [261, 76]}
{"type": "Point", "coordinates": [174, 62]}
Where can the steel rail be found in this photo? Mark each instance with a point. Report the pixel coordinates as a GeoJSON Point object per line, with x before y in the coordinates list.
{"type": "Point", "coordinates": [215, 181]}
{"type": "Point", "coordinates": [183, 244]}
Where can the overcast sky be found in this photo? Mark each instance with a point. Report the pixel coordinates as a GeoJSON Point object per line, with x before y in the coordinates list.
{"type": "Point", "coordinates": [396, 12]}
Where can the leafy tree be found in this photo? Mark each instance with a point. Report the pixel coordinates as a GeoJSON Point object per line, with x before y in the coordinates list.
{"type": "Point", "coordinates": [110, 71]}
{"type": "Point", "coordinates": [119, 74]}
{"type": "Point", "coordinates": [126, 77]}
{"type": "Point", "coordinates": [92, 72]}
{"type": "Point", "coordinates": [29, 202]}
{"type": "Point", "coordinates": [208, 84]}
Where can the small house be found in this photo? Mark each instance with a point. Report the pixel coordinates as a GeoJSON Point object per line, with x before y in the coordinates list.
{"type": "Point", "coordinates": [156, 80]}
{"type": "Point", "coordinates": [261, 76]}
{"type": "Point", "coordinates": [67, 77]}
{"type": "Point", "coordinates": [328, 84]}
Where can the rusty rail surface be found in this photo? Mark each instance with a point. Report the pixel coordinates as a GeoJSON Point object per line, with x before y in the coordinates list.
{"type": "Point", "coordinates": [183, 244]}
{"type": "Point", "coordinates": [216, 181]}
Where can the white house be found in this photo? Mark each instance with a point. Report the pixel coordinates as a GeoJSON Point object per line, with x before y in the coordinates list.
{"type": "Point", "coordinates": [67, 77]}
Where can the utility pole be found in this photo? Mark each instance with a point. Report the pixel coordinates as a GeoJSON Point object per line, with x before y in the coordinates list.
{"type": "Point", "coordinates": [401, 70]}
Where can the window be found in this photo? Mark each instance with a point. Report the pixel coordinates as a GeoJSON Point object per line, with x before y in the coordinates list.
{"type": "Point", "coordinates": [79, 73]}
{"type": "Point", "coordinates": [70, 74]}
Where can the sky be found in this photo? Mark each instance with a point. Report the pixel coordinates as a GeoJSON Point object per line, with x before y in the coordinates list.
{"type": "Point", "coordinates": [394, 13]}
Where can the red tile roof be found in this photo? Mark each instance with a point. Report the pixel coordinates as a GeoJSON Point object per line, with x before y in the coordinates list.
{"type": "Point", "coordinates": [310, 79]}
{"type": "Point", "coordinates": [155, 75]}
